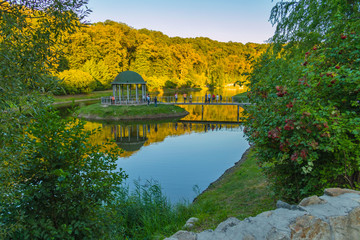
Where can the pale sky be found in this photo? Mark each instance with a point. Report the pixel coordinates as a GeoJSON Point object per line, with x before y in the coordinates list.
{"type": "Point", "coordinates": [222, 20]}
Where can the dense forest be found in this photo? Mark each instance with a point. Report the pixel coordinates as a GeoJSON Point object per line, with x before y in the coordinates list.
{"type": "Point", "coordinates": [95, 54]}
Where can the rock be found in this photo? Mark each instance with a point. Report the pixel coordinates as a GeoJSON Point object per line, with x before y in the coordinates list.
{"type": "Point", "coordinates": [335, 215]}
{"type": "Point", "coordinates": [354, 222]}
{"type": "Point", "coordinates": [190, 222]}
{"type": "Point", "coordinates": [265, 214]}
{"type": "Point", "coordinates": [346, 227]}
{"type": "Point", "coordinates": [230, 222]}
{"type": "Point", "coordinates": [311, 201]}
{"type": "Point", "coordinates": [333, 192]}
{"type": "Point", "coordinates": [310, 227]}
{"type": "Point", "coordinates": [275, 234]}
{"type": "Point", "coordinates": [183, 235]}
{"type": "Point", "coordinates": [281, 204]}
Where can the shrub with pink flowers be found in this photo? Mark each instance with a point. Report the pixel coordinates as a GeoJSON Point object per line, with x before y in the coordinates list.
{"type": "Point", "coordinates": [307, 128]}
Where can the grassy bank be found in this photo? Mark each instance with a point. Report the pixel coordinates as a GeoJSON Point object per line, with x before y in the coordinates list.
{"type": "Point", "coordinates": [129, 112]}
{"type": "Point", "coordinates": [93, 95]}
{"type": "Point", "coordinates": [241, 192]}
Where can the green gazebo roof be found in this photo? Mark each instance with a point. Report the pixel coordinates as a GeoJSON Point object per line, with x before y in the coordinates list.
{"type": "Point", "coordinates": [128, 77]}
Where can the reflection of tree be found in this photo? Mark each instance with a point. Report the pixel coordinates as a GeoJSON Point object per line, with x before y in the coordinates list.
{"type": "Point", "coordinates": [147, 134]}
{"type": "Point", "coordinates": [212, 113]}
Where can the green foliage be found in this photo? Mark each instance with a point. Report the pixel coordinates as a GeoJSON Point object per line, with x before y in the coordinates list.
{"type": "Point", "coordinates": [77, 81]}
{"type": "Point", "coordinates": [146, 213]}
{"type": "Point", "coordinates": [62, 182]}
{"type": "Point", "coordinates": [100, 73]}
{"type": "Point", "coordinates": [158, 58]}
{"type": "Point", "coordinates": [30, 33]}
{"type": "Point", "coordinates": [305, 121]}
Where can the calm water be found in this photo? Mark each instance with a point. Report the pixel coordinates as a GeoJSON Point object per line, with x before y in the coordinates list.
{"type": "Point", "coordinates": [181, 156]}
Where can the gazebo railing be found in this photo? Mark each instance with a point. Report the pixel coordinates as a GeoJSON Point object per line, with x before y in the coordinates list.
{"type": "Point", "coordinates": [169, 99]}
{"type": "Point", "coordinates": [121, 101]}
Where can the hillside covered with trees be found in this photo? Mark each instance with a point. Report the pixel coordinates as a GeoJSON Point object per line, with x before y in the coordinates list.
{"type": "Point", "coordinates": [96, 53]}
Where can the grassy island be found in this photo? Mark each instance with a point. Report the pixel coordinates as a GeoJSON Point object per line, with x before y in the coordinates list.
{"type": "Point", "coordinates": [130, 112]}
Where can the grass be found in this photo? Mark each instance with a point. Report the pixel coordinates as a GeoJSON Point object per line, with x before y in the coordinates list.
{"type": "Point", "coordinates": [241, 193]}
{"type": "Point", "coordinates": [129, 110]}
{"type": "Point", "coordinates": [147, 214]}
{"type": "Point", "coordinates": [93, 95]}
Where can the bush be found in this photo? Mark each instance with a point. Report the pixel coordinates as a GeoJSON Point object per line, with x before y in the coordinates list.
{"type": "Point", "coordinates": [63, 184]}
{"type": "Point", "coordinates": [306, 122]}
{"type": "Point", "coordinates": [146, 213]}
{"type": "Point", "coordinates": [77, 81]}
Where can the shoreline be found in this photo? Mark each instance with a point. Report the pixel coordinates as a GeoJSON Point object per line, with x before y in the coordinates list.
{"type": "Point", "coordinates": [226, 173]}
{"type": "Point", "coordinates": [129, 118]}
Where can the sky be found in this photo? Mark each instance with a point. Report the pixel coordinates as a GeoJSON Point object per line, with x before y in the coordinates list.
{"type": "Point", "coordinates": [222, 20]}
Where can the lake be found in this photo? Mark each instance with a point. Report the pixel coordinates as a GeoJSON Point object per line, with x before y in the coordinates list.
{"type": "Point", "coordinates": [181, 155]}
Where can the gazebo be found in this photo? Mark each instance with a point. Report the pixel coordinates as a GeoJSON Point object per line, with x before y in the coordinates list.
{"type": "Point", "coordinates": [129, 79]}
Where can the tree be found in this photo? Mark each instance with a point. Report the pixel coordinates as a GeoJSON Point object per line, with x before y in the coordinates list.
{"type": "Point", "coordinates": [64, 184]}
{"type": "Point", "coordinates": [52, 182]}
{"type": "Point", "coordinates": [158, 58]}
{"type": "Point", "coordinates": [100, 73]}
{"type": "Point", "coordinates": [305, 123]}
{"type": "Point", "coordinates": [31, 31]}
{"type": "Point", "coordinates": [77, 81]}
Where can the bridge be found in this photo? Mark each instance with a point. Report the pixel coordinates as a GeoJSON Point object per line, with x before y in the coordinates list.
{"type": "Point", "coordinates": [225, 101]}
{"type": "Point", "coordinates": [229, 101]}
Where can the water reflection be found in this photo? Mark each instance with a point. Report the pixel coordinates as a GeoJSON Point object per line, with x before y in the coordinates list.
{"type": "Point", "coordinates": [132, 136]}
{"type": "Point", "coordinates": [129, 138]}
{"type": "Point", "coordinates": [179, 155]}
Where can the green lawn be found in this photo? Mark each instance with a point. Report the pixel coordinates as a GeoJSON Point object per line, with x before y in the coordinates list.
{"type": "Point", "coordinates": [129, 110]}
{"type": "Point", "coordinates": [97, 94]}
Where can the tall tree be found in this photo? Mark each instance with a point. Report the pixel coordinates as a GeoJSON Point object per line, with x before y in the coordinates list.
{"type": "Point", "coordinates": [53, 184]}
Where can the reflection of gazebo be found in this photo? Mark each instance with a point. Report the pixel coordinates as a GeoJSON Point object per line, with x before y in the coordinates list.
{"type": "Point", "coordinates": [128, 79]}
{"type": "Point", "coordinates": [129, 137]}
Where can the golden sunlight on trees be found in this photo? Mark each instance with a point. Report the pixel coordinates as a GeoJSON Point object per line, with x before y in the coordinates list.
{"type": "Point", "coordinates": [105, 49]}
{"type": "Point", "coordinates": [77, 81]}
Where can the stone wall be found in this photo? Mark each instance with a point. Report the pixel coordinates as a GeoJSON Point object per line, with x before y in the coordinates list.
{"type": "Point", "coordinates": [333, 216]}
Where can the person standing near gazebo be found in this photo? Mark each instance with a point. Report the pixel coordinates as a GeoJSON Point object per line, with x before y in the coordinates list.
{"type": "Point", "coordinates": [148, 99]}
{"type": "Point", "coordinates": [155, 101]}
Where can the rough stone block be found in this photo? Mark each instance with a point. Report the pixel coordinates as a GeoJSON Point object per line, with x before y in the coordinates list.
{"type": "Point", "coordinates": [333, 192]}
{"type": "Point", "coordinates": [311, 201]}
{"type": "Point", "coordinates": [228, 223]}
{"type": "Point", "coordinates": [310, 227]}
{"type": "Point", "coordinates": [183, 235]}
